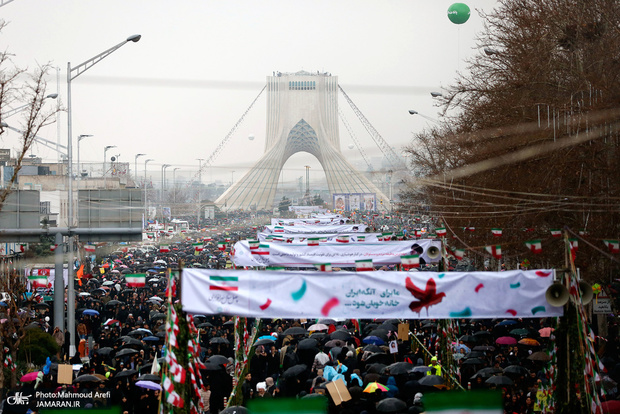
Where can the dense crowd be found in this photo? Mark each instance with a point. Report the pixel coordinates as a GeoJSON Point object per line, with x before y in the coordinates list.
{"type": "Point", "coordinates": [120, 339]}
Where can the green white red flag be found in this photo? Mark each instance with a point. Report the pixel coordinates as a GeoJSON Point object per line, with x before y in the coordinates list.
{"type": "Point", "coordinates": [612, 245]}
{"type": "Point", "coordinates": [364, 265]}
{"type": "Point", "coordinates": [89, 248]}
{"type": "Point", "coordinates": [495, 251]}
{"type": "Point", "coordinates": [441, 231]}
{"type": "Point", "coordinates": [361, 238]}
{"type": "Point", "coordinates": [534, 245]}
{"type": "Point", "coordinates": [410, 261]}
{"type": "Point", "coordinates": [135, 279]}
{"type": "Point", "coordinates": [222, 246]}
{"type": "Point", "coordinates": [253, 244]}
{"type": "Point", "coordinates": [164, 248]}
{"type": "Point", "coordinates": [198, 247]}
{"type": "Point", "coordinates": [313, 241]}
{"type": "Point", "coordinates": [496, 232]}
{"type": "Point", "coordinates": [263, 249]}
{"type": "Point", "coordinates": [556, 232]}
{"type": "Point", "coordinates": [38, 281]}
{"type": "Point", "coordinates": [342, 239]}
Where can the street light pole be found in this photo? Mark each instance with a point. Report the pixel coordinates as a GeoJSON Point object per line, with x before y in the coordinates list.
{"type": "Point", "coordinates": [145, 186]}
{"type": "Point", "coordinates": [174, 181]}
{"type": "Point", "coordinates": [135, 167]}
{"type": "Point", "coordinates": [105, 150]}
{"type": "Point", "coordinates": [200, 160]}
{"type": "Point", "coordinates": [72, 73]}
{"type": "Point", "coordinates": [161, 196]}
{"type": "Point", "coordinates": [14, 111]}
{"type": "Point", "coordinates": [80, 137]}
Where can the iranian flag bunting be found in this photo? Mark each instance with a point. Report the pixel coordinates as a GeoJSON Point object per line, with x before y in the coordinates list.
{"type": "Point", "coordinates": [135, 279]}
{"type": "Point", "coordinates": [496, 232]}
{"type": "Point", "coordinates": [324, 267]}
{"type": "Point", "coordinates": [198, 247]}
{"type": "Point", "coordinates": [556, 232]}
{"type": "Point", "coordinates": [278, 229]}
{"type": "Point", "coordinates": [364, 265]}
{"type": "Point", "coordinates": [222, 245]}
{"type": "Point", "coordinates": [226, 283]}
{"type": "Point", "coordinates": [164, 248]}
{"type": "Point", "coordinates": [534, 245]}
{"type": "Point", "coordinates": [387, 236]}
{"type": "Point", "coordinates": [612, 245]}
{"type": "Point", "coordinates": [410, 261]}
{"type": "Point", "coordinates": [495, 251]}
{"type": "Point", "coordinates": [441, 231]}
{"type": "Point", "coordinates": [253, 244]}
{"type": "Point", "coordinates": [313, 241]}
{"type": "Point", "coordinates": [89, 248]}
{"type": "Point", "coordinates": [574, 244]}
{"type": "Point", "coordinates": [263, 249]}
{"type": "Point", "coordinates": [342, 239]}
{"type": "Point", "coordinates": [459, 253]}
{"type": "Point", "coordinates": [361, 238]}
{"type": "Point", "coordinates": [38, 281]}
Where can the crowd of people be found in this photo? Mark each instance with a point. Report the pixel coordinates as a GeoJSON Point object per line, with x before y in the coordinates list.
{"type": "Point", "coordinates": [120, 339]}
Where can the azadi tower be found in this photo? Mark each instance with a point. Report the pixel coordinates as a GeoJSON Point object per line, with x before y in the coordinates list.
{"type": "Point", "coordinates": [302, 115]}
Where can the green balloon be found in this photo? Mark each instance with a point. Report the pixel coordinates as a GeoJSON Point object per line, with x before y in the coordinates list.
{"type": "Point", "coordinates": [458, 13]}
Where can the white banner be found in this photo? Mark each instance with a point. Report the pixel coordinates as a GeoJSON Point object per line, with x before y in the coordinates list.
{"type": "Point", "coordinates": [309, 221]}
{"type": "Point", "coordinates": [330, 237]}
{"type": "Point", "coordinates": [308, 229]}
{"type": "Point", "coordinates": [371, 295]}
{"type": "Point", "coordinates": [338, 254]}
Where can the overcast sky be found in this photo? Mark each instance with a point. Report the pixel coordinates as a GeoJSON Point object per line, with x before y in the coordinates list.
{"type": "Point", "coordinates": [177, 93]}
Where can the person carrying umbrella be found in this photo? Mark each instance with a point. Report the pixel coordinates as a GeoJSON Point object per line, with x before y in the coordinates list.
{"type": "Point", "coordinates": [435, 367]}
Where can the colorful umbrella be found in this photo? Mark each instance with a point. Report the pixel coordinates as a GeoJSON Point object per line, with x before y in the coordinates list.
{"type": "Point", "coordinates": [318, 327]}
{"type": "Point", "coordinates": [149, 385]}
{"type": "Point", "coordinates": [31, 376]}
{"type": "Point", "coordinates": [529, 342]}
{"type": "Point", "coordinates": [374, 386]}
{"type": "Point", "coordinates": [545, 332]}
{"type": "Point", "coordinates": [374, 340]}
{"type": "Point", "coordinates": [506, 340]}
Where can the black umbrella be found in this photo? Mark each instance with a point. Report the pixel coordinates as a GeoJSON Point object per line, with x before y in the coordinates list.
{"type": "Point", "coordinates": [41, 306]}
{"type": "Point", "coordinates": [129, 341]}
{"type": "Point", "coordinates": [126, 373]}
{"type": "Point", "coordinates": [400, 368]}
{"type": "Point", "coordinates": [161, 334]}
{"type": "Point", "coordinates": [318, 335]}
{"type": "Point", "coordinates": [482, 333]}
{"type": "Point", "coordinates": [157, 316]}
{"type": "Point", "coordinates": [391, 405]}
{"type": "Point", "coordinates": [295, 371]}
{"type": "Point", "coordinates": [149, 377]}
{"type": "Point", "coordinates": [499, 380]}
{"type": "Point", "coordinates": [218, 360]}
{"type": "Point", "coordinates": [126, 351]}
{"type": "Point", "coordinates": [264, 341]}
{"type": "Point", "coordinates": [388, 326]}
{"type": "Point", "coordinates": [205, 325]}
{"type": "Point", "coordinates": [468, 338]}
{"type": "Point", "coordinates": [370, 327]}
{"type": "Point", "coordinates": [472, 361]}
{"type": "Point", "coordinates": [145, 369]}
{"type": "Point", "coordinates": [335, 343]}
{"type": "Point", "coordinates": [210, 366]}
{"type": "Point", "coordinates": [376, 368]}
{"type": "Point", "coordinates": [475, 354]}
{"type": "Point", "coordinates": [235, 409]}
{"type": "Point", "coordinates": [421, 368]}
{"type": "Point", "coordinates": [487, 372]}
{"type": "Point", "coordinates": [373, 348]}
{"type": "Point", "coordinates": [308, 343]}
{"type": "Point", "coordinates": [87, 378]}
{"type": "Point", "coordinates": [516, 370]}
{"type": "Point", "coordinates": [295, 330]}
{"type": "Point", "coordinates": [381, 333]}
{"type": "Point", "coordinates": [104, 351]}
{"type": "Point", "coordinates": [340, 334]}
{"type": "Point", "coordinates": [114, 302]}
{"type": "Point", "coordinates": [430, 380]}
{"type": "Point", "coordinates": [381, 358]}
{"type": "Point", "coordinates": [219, 340]}
{"type": "Point", "coordinates": [137, 333]}
{"type": "Point", "coordinates": [484, 348]}
{"type": "Point", "coordinates": [228, 323]}
{"type": "Point", "coordinates": [327, 321]}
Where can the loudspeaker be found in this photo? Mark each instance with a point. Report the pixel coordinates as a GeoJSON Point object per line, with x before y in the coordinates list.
{"type": "Point", "coordinates": [557, 295]}
{"type": "Point", "coordinates": [586, 292]}
{"type": "Point", "coordinates": [433, 253]}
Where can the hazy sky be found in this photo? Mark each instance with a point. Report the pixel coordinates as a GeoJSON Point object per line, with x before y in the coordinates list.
{"type": "Point", "coordinates": [177, 93]}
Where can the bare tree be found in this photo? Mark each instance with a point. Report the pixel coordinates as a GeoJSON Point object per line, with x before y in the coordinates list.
{"type": "Point", "coordinates": [532, 143]}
